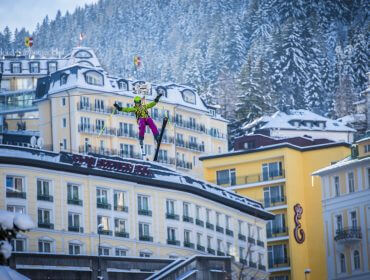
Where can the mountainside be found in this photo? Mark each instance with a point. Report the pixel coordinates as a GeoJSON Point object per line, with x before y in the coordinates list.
{"type": "Point", "coordinates": [251, 57]}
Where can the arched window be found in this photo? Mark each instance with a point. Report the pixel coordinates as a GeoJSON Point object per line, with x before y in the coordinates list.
{"type": "Point", "coordinates": [85, 63]}
{"type": "Point", "coordinates": [94, 78]}
{"type": "Point", "coordinates": [83, 54]}
{"type": "Point", "coordinates": [188, 96]}
{"type": "Point", "coordinates": [342, 263]}
{"type": "Point", "coordinates": [122, 84]}
{"type": "Point", "coordinates": [356, 259]}
{"type": "Point", "coordinates": [161, 90]}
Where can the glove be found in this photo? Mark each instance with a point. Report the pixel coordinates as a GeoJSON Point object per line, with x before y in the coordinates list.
{"type": "Point", "coordinates": [158, 97]}
{"type": "Point", "coordinates": [119, 108]}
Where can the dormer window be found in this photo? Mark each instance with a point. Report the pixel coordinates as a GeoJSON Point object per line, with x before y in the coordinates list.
{"type": "Point", "coordinates": [34, 67]}
{"type": "Point", "coordinates": [213, 112]}
{"type": "Point", "coordinates": [122, 84]}
{"type": "Point", "coordinates": [83, 54]}
{"type": "Point", "coordinates": [63, 79]}
{"type": "Point", "coordinates": [188, 96]}
{"type": "Point", "coordinates": [16, 67]}
{"type": "Point", "coordinates": [85, 63]}
{"type": "Point", "coordinates": [94, 78]}
{"type": "Point", "coordinates": [52, 66]}
{"type": "Point", "coordinates": [161, 90]}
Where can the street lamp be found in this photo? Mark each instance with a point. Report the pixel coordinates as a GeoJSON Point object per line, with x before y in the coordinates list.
{"type": "Point", "coordinates": [100, 277]}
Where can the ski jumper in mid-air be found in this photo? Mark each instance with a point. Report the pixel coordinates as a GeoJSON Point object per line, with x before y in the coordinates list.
{"type": "Point", "coordinates": [142, 117]}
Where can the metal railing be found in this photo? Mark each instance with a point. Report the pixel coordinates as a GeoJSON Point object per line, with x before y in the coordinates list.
{"type": "Point", "coordinates": [276, 232]}
{"type": "Point", "coordinates": [104, 232]}
{"type": "Point", "coordinates": [172, 216]}
{"type": "Point", "coordinates": [242, 237]}
{"type": "Point", "coordinates": [127, 134]}
{"type": "Point", "coordinates": [173, 242]}
{"type": "Point", "coordinates": [75, 229]}
{"type": "Point", "coordinates": [278, 262]}
{"type": "Point", "coordinates": [211, 251]}
{"type": "Point", "coordinates": [120, 208]}
{"type": "Point", "coordinates": [252, 178]}
{"type": "Point", "coordinates": [47, 225]}
{"type": "Point", "coordinates": [190, 125]}
{"type": "Point", "coordinates": [145, 212]}
{"type": "Point", "coordinates": [146, 238]}
{"type": "Point", "coordinates": [201, 248]}
{"type": "Point", "coordinates": [90, 108]}
{"type": "Point", "coordinates": [45, 197]}
{"type": "Point", "coordinates": [184, 164]}
{"type": "Point", "coordinates": [189, 145]}
{"type": "Point", "coordinates": [273, 201]}
{"type": "Point", "coordinates": [103, 205]}
{"type": "Point", "coordinates": [74, 201]}
{"type": "Point", "coordinates": [199, 222]}
{"type": "Point", "coordinates": [219, 229]}
{"type": "Point", "coordinates": [349, 233]}
{"type": "Point", "coordinates": [15, 194]}
{"type": "Point", "coordinates": [121, 234]}
{"type": "Point", "coordinates": [189, 245]}
{"type": "Point", "coordinates": [92, 129]}
{"type": "Point", "coordinates": [187, 219]}
{"type": "Point", "coordinates": [107, 152]}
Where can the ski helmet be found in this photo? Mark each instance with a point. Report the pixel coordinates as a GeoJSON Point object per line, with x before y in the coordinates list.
{"type": "Point", "coordinates": [137, 99]}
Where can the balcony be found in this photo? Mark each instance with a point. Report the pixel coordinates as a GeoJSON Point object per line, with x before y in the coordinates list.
{"type": "Point", "coordinates": [260, 243]}
{"type": "Point", "coordinates": [190, 125]}
{"type": "Point", "coordinates": [105, 232]}
{"type": "Point", "coordinates": [261, 267]}
{"type": "Point", "coordinates": [220, 253]}
{"type": "Point", "coordinates": [120, 208]}
{"type": "Point", "coordinates": [276, 232]}
{"type": "Point", "coordinates": [349, 234]}
{"type": "Point", "coordinates": [45, 197]}
{"type": "Point", "coordinates": [211, 251]}
{"type": "Point", "coordinates": [251, 240]}
{"type": "Point", "coordinates": [144, 212]}
{"type": "Point", "coordinates": [229, 232]}
{"type": "Point", "coordinates": [76, 229]}
{"type": "Point", "coordinates": [201, 248]}
{"type": "Point", "coordinates": [242, 237]}
{"type": "Point", "coordinates": [219, 229]}
{"type": "Point", "coordinates": [251, 179]}
{"type": "Point", "coordinates": [188, 245]}
{"type": "Point", "coordinates": [184, 164]}
{"type": "Point", "coordinates": [168, 140]}
{"type": "Point", "coordinates": [121, 234]}
{"type": "Point", "coordinates": [107, 152]}
{"type": "Point", "coordinates": [210, 226]}
{"type": "Point", "coordinates": [279, 262]}
{"type": "Point", "coordinates": [15, 194]}
{"type": "Point", "coordinates": [146, 238]}
{"type": "Point", "coordinates": [74, 201]}
{"type": "Point", "coordinates": [274, 201]}
{"type": "Point", "coordinates": [252, 264]}
{"type": "Point", "coordinates": [87, 107]}
{"type": "Point", "coordinates": [45, 225]}
{"type": "Point", "coordinates": [92, 129]}
{"type": "Point", "coordinates": [127, 134]}
{"type": "Point", "coordinates": [187, 219]}
{"type": "Point", "coordinates": [173, 242]}
{"type": "Point", "coordinates": [189, 145]}
{"type": "Point", "coordinates": [103, 205]}
{"type": "Point", "coordinates": [199, 222]}
{"type": "Point", "coordinates": [166, 160]}
{"type": "Point", "coordinates": [172, 216]}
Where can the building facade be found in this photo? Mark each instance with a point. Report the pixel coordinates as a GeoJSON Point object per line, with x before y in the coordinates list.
{"type": "Point", "coordinates": [72, 110]}
{"type": "Point", "coordinates": [279, 175]}
{"type": "Point", "coordinates": [346, 214]}
{"type": "Point", "coordinates": [86, 205]}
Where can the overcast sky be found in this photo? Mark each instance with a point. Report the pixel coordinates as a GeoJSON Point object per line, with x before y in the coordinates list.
{"type": "Point", "coordinates": [27, 13]}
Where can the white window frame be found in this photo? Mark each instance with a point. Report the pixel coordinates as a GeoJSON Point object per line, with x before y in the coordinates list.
{"type": "Point", "coordinates": [351, 182]}
{"type": "Point", "coordinates": [336, 184]}
{"type": "Point", "coordinates": [74, 245]}
{"type": "Point", "coordinates": [15, 208]}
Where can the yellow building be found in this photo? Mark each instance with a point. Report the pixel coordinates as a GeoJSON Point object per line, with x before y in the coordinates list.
{"type": "Point", "coordinates": [279, 175]}
{"type": "Point", "coordinates": [144, 209]}
{"type": "Point", "coordinates": [346, 214]}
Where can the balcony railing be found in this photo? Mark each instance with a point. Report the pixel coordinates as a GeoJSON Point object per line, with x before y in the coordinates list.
{"type": "Point", "coordinates": [184, 164]}
{"type": "Point", "coordinates": [199, 222]}
{"type": "Point", "coordinates": [251, 240]}
{"type": "Point", "coordinates": [274, 201]}
{"type": "Point", "coordinates": [252, 264]}
{"type": "Point", "coordinates": [348, 234]}
{"type": "Point", "coordinates": [145, 212]}
{"type": "Point", "coordinates": [210, 226]}
{"type": "Point", "coordinates": [278, 262]}
{"type": "Point", "coordinates": [261, 267]}
{"type": "Point", "coordinates": [74, 201]}
{"type": "Point", "coordinates": [173, 242]}
{"type": "Point", "coordinates": [201, 248]}
{"type": "Point", "coordinates": [188, 245]}
{"type": "Point", "coordinates": [15, 194]}
{"type": "Point", "coordinates": [220, 253]}
{"type": "Point", "coordinates": [92, 129]}
{"type": "Point", "coordinates": [45, 225]}
{"type": "Point", "coordinates": [167, 140]}
{"type": "Point", "coordinates": [250, 179]}
{"type": "Point", "coordinates": [121, 208]}
{"type": "Point", "coordinates": [172, 216]}
{"type": "Point", "coordinates": [146, 238]}
{"type": "Point", "coordinates": [260, 243]}
{"type": "Point", "coordinates": [167, 160]}
{"type": "Point", "coordinates": [211, 251]}
{"type": "Point", "coordinates": [108, 152]}
{"type": "Point", "coordinates": [88, 107]}
{"type": "Point", "coordinates": [229, 232]}
{"type": "Point", "coordinates": [219, 229]}
{"type": "Point", "coordinates": [190, 125]}
{"type": "Point", "coordinates": [187, 219]}
{"type": "Point", "coordinates": [121, 234]}
{"type": "Point", "coordinates": [242, 237]}
{"type": "Point", "coordinates": [45, 197]}
{"type": "Point", "coordinates": [103, 205]}
{"type": "Point", "coordinates": [76, 229]}
{"type": "Point", "coordinates": [190, 145]}
{"type": "Point", "coordinates": [105, 232]}
{"type": "Point", "coordinates": [127, 134]}
{"type": "Point", "coordinates": [276, 232]}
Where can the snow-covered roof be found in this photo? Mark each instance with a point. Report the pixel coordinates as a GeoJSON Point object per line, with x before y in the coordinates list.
{"type": "Point", "coordinates": [342, 164]}
{"type": "Point", "coordinates": [138, 171]}
{"type": "Point", "coordinates": [297, 120]}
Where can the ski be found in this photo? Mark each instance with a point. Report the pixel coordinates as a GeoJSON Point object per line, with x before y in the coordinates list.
{"type": "Point", "coordinates": [165, 120]}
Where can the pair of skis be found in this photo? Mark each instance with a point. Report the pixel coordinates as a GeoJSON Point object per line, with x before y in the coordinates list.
{"type": "Point", "coordinates": [164, 123]}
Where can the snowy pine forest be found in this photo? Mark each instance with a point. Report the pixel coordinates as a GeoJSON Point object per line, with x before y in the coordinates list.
{"type": "Point", "coordinates": [251, 57]}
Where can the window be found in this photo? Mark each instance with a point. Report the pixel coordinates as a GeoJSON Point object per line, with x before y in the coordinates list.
{"type": "Point", "coordinates": [1, 67]}
{"type": "Point", "coordinates": [145, 254]}
{"type": "Point", "coordinates": [354, 219]}
{"type": "Point", "coordinates": [219, 245]}
{"type": "Point", "coordinates": [163, 155]}
{"type": "Point", "coordinates": [44, 216]}
{"type": "Point", "coordinates": [170, 206]}
{"type": "Point", "coordinates": [271, 170]}
{"type": "Point", "coordinates": [161, 90]}
{"type": "Point", "coordinates": [64, 143]}
{"type": "Point", "coordinates": [16, 67]}
{"type": "Point", "coordinates": [148, 149]}
{"type": "Point", "coordinates": [273, 195]}
{"type": "Point", "coordinates": [122, 84]}
{"type": "Point", "coordinates": [104, 251]}
{"type": "Point", "coordinates": [277, 254]}
{"type": "Point", "coordinates": [179, 139]}
{"type": "Point", "coordinates": [99, 104]}
{"type": "Point", "coordinates": [208, 215]}
{"type": "Point", "coordinates": [94, 78]}
{"type": "Point", "coordinates": [209, 242]}
{"type": "Point", "coordinates": [188, 96]}
{"type": "Point", "coordinates": [14, 184]}
{"type": "Point", "coordinates": [260, 258]}
{"type": "Point", "coordinates": [72, 192]}
{"type": "Point", "coordinates": [259, 237]}
{"type": "Point", "coordinates": [43, 187]}
{"type": "Point", "coordinates": [74, 249]}
{"type": "Point", "coordinates": [119, 225]}
{"type": "Point", "coordinates": [63, 79]}
{"type": "Point", "coordinates": [101, 196]}
{"type": "Point", "coordinates": [83, 54]}
{"type": "Point", "coordinates": [342, 263]}
{"type": "Point", "coordinates": [228, 248]}
{"type": "Point", "coordinates": [104, 220]}
{"type": "Point", "coordinates": [356, 260]}
{"type": "Point", "coordinates": [119, 200]}
{"type": "Point", "coordinates": [367, 148]}
{"type": "Point", "coordinates": [368, 177]}
{"type": "Point", "coordinates": [171, 234]}
{"type": "Point", "coordinates": [250, 230]}
{"type": "Point", "coordinates": [127, 150]}
{"type": "Point", "coordinates": [155, 114]}
{"type": "Point", "coordinates": [276, 226]}
{"type": "Point", "coordinates": [16, 209]}
{"type": "Point", "coordinates": [99, 124]}
{"type": "Point", "coordinates": [249, 145]}
{"type": "Point", "coordinates": [227, 222]}
{"type": "Point", "coordinates": [63, 101]}
{"type": "Point", "coordinates": [240, 227]}
{"type": "Point", "coordinates": [339, 222]}
{"type": "Point", "coordinates": [18, 245]}
{"type": "Point", "coordinates": [143, 202]}
{"type": "Point", "coordinates": [351, 182]}
{"type": "Point", "coordinates": [144, 230]}
{"type": "Point", "coordinates": [45, 246]}
{"type": "Point", "coordinates": [199, 238]}
{"type": "Point", "coordinates": [74, 222]}
{"type": "Point", "coordinates": [241, 253]}
{"type": "Point", "coordinates": [52, 66]}
{"type": "Point", "coordinates": [197, 212]}
{"type": "Point", "coordinates": [121, 252]}
{"type": "Point", "coordinates": [218, 219]}
{"type": "Point", "coordinates": [226, 177]}
{"type": "Point", "coordinates": [186, 208]}
{"type": "Point", "coordinates": [336, 186]}
{"type": "Point", "coordinates": [64, 122]}
{"type": "Point", "coordinates": [187, 238]}
{"type": "Point", "coordinates": [34, 67]}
